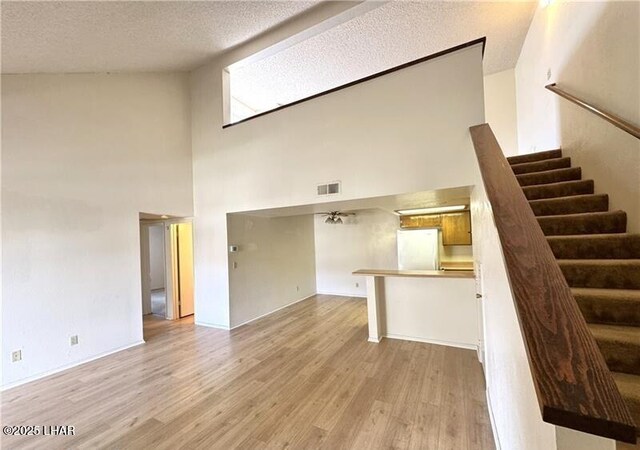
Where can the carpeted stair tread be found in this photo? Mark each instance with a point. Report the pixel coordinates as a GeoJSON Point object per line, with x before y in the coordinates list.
{"type": "Point", "coordinates": [620, 346]}
{"type": "Point", "coordinates": [609, 306]}
{"type": "Point", "coordinates": [550, 176]}
{"type": "Point", "coordinates": [599, 260]}
{"type": "Point", "coordinates": [591, 246]}
{"type": "Point", "coordinates": [575, 204]}
{"type": "Point", "coordinates": [629, 387]}
{"type": "Point", "coordinates": [602, 273]}
{"type": "Point", "coordinates": [561, 189]}
{"type": "Point", "coordinates": [540, 166]}
{"type": "Point", "coordinates": [531, 157]}
{"type": "Point", "coordinates": [586, 223]}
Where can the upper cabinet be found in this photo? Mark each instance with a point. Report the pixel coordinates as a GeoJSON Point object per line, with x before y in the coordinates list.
{"type": "Point", "coordinates": [430, 221]}
{"type": "Point", "coordinates": [456, 227]}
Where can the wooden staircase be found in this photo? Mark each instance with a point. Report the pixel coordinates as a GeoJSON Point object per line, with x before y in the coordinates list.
{"type": "Point", "coordinates": [599, 259]}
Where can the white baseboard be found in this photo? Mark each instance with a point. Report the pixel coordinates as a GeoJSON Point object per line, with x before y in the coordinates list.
{"type": "Point", "coordinates": [342, 294]}
{"type": "Point", "coordinates": [493, 422]}
{"type": "Point", "coordinates": [377, 341]}
{"type": "Point", "coordinates": [275, 310]}
{"type": "Point", "coordinates": [433, 341]}
{"type": "Point", "coordinates": [212, 325]}
{"type": "Point", "coordinates": [40, 375]}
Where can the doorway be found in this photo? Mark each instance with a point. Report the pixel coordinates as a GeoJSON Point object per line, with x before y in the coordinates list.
{"type": "Point", "coordinates": [166, 262]}
{"type": "Point", "coordinates": [153, 265]}
{"type": "Point", "coordinates": [157, 269]}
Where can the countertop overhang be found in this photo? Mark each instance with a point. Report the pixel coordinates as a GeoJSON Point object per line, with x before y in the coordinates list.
{"type": "Point", "coordinates": [416, 273]}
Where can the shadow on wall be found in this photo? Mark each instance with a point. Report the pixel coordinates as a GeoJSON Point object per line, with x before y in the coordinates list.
{"type": "Point", "coordinates": [603, 68]}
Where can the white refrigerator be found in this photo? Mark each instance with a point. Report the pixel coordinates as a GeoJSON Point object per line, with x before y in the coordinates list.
{"type": "Point", "coordinates": [418, 249]}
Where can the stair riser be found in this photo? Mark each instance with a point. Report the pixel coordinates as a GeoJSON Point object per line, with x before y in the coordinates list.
{"type": "Point", "coordinates": [540, 166]}
{"type": "Point", "coordinates": [609, 311]}
{"type": "Point", "coordinates": [634, 409]}
{"type": "Point", "coordinates": [629, 387]}
{"type": "Point", "coordinates": [563, 189]}
{"type": "Point", "coordinates": [602, 276]}
{"type": "Point", "coordinates": [621, 356]}
{"type": "Point", "coordinates": [570, 205]}
{"type": "Point", "coordinates": [560, 226]}
{"type": "Point", "coordinates": [552, 176]}
{"type": "Point", "coordinates": [532, 157]}
{"type": "Point", "coordinates": [625, 247]}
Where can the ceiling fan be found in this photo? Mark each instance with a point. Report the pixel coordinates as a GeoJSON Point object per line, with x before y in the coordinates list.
{"type": "Point", "coordinates": [334, 217]}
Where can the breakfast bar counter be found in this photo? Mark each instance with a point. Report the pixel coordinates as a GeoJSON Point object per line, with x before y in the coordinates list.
{"type": "Point", "coordinates": [416, 273]}
{"type": "Point", "coordinates": [436, 306]}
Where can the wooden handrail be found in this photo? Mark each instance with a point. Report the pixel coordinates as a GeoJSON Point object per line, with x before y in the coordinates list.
{"type": "Point", "coordinates": [573, 384]}
{"type": "Point", "coordinates": [609, 117]}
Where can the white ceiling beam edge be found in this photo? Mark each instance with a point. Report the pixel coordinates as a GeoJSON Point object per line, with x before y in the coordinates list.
{"type": "Point", "coordinates": [357, 10]}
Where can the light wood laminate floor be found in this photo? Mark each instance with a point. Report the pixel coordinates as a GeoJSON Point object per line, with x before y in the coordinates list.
{"type": "Point", "coordinates": [302, 378]}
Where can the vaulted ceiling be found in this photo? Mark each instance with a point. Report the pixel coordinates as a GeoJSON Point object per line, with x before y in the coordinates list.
{"type": "Point", "coordinates": [390, 35]}
{"type": "Point", "coordinates": [114, 36]}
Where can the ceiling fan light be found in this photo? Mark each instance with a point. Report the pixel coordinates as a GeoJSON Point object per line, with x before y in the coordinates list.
{"type": "Point", "coordinates": [338, 220]}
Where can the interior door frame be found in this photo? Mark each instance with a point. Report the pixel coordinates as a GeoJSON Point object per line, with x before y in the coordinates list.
{"type": "Point", "coordinates": [172, 311]}
{"type": "Point", "coordinates": [145, 281]}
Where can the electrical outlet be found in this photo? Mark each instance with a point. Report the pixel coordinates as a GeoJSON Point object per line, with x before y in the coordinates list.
{"type": "Point", "coordinates": [357, 284]}
{"type": "Point", "coordinates": [298, 288]}
{"type": "Point", "coordinates": [16, 356]}
{"type": "Point", "coordinates": [548, 74]}
{"type": "Point", "coordinates": [73, 340]}
{"type": "Point", "coordinates": [235, 265]}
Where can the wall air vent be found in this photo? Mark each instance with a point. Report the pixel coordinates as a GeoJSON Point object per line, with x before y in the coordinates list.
{"type": "Point", "coordinates": [331, 188]}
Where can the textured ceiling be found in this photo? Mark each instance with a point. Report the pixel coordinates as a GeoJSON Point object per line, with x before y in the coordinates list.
{"type": "Point", "coordinates": [112, 36]}
{"type": "Point", "coordinates": [392, 34]}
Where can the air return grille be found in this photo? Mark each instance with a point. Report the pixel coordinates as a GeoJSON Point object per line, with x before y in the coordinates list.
{"type": "Point", "coordinates": [331, 188]}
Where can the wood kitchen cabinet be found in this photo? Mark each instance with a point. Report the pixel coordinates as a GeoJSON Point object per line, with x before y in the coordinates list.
{"type": "Point", "coordinates": [430, 221]}
{"type": "Point", "coordinates": [456, 227]}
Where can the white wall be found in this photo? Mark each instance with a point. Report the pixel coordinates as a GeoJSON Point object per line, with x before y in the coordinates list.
{"type": "Point", "coordinates": [275, 264]}
{"type": "Point", "coordinates": [365, 241]}
{"type": "Point", "coordinates": [500, 109]}
{"type": "Point", "coordinates": [567, 439]}
{"type": "Point", "coordinates": [591, 49]}
{"type": "Point", "coordinates": [438, 310]}
{"type": "Point", "coordinates": [511, 396]}
{"type": "Point", "coordinates": [2, 363]}
{"type": "Point", "coordinates": [82, 156]}
{"type": "Point", "coordinates": [387, 136]}
{"type": "Point", "coordinates": [156, 256]}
